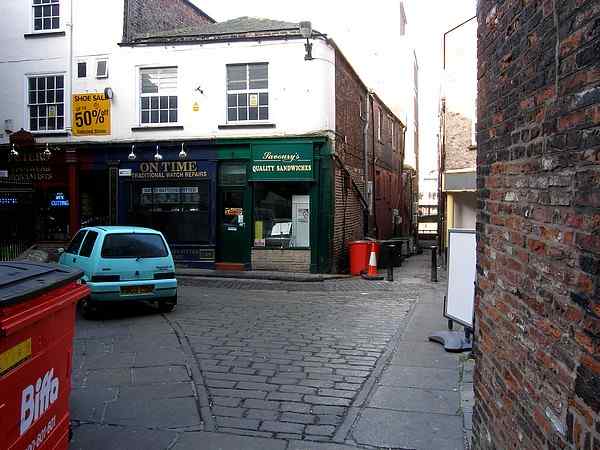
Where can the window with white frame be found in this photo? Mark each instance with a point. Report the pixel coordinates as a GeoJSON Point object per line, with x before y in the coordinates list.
{"type": "Point", "coordinates": [158, 95]}
{"type": "Point", "coordinates": [247, 92]}
{"type": "Point", "coordinates": [46, 102]}
{"type": "Point", "coordinates": [102, 68]}
{"type": "Point", "coordinates": [46, 15]}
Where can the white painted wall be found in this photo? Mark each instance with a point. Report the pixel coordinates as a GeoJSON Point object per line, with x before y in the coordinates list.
{"type": "Point", "coordinates": [465, 209]}
{"type": "Point", "coordinates": [20, 57]}
{"type": "Point", "coordinates": [301, 93]}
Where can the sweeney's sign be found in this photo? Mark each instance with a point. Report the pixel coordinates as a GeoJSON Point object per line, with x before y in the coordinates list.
{"type": "Point", "coordinates": [282, 163]}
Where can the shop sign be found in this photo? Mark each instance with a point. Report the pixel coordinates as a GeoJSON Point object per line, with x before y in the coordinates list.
{"type": "Point", "coordinates": [169, 170]}
{"type": "Point", "coordinates": [284, 163]}
{"type": "Point", "coordinates": [31, 173]}
{"type": "Point", "coordinates": [124, 172]}
{"type": "Point", "coordinates": [91, 114]}
{"type": "Point", "coordinates": [3, 173]}
{"type": "Point", "coordinates": [59, 201]}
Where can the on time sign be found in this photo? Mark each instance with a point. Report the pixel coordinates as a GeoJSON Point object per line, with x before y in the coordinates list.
{"type": "Point", "coordinates": [90, 114]}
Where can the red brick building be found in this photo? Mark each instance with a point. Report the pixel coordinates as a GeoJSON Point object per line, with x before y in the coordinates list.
{"type": "Point", "coordinates": [538, 286]}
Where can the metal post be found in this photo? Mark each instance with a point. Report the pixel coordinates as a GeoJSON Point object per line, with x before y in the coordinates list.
{"type": "Point", "coordinates": [400, 256]}
{"type": "Point", "coordinates": [390, 267]}
{"type": "Point", "coordinates": [434, 277]}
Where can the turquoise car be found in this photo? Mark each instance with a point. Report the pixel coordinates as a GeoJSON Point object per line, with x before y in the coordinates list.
{"type": "Point", "coordinates": [123, 264]}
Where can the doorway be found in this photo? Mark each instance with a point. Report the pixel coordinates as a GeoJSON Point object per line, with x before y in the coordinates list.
{"type": "Point", "coordinates": [233, 227]}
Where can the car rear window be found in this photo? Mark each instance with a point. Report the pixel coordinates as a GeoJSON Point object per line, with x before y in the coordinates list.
{"type": "Point", "coordinates": [88, 244]}
{"type": "Point", "coordinates": [75, 243]}
{"type": "Point", "coordinates": [133, 245]}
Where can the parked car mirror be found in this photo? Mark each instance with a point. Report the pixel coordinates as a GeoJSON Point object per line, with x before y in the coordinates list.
{"type": "Point", "coordinates": [60, 250]}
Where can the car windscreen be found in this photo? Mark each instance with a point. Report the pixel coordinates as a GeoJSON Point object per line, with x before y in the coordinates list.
{"type": "Point", "coordinates": [133, 245]}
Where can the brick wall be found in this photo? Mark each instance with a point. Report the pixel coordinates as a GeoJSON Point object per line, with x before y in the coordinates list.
{"type": "Point", "coordinates": [459, 151]}
{"type": "Point", "coordinates": [145, 16]}
{"type": "Point", "coordinates": [537, 377]}
{"type": "Point", "coordinates": [349, 147]}
{"type": "Point", "coordinates": [281, 260]}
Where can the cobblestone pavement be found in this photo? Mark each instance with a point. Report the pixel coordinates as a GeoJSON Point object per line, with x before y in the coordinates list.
{"type": "Point", "coordinates": [237, 358]}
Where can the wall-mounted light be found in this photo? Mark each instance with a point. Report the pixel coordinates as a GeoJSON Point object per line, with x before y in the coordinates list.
{"type": "Point", "coordinates": [182, 153]}
{"type": "Point", "coordinates": [47, 153]}
{"type": "Point", "coordinates": [306, 32]}
{"type": "Point", "coordinates": [13, 152]}
{"type": "Point", "coordinates": [108, 93]}
{"type": "Point", "coordinates": [132, 155]}
{"type": "Point", "coordinates": [157, 156]}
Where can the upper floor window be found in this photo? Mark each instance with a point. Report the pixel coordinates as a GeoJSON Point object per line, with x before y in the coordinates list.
{"type": "Point", "coordinates": [393, 130]}
{"type": "Point", "coordinates": [102, 68]}
{"type": "Point", "coordinates": [46, 15]}
{"type": "Point", "coordinates": [46, 102]}
{"type": "Point", "coordinates": [379, 124]}
{"type": "Point", "coordinates": [247, 92]}
{"type": "Point", "coordinates": [158, 95]}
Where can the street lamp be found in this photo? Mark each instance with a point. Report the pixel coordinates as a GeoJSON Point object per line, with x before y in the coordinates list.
{"type": "Point", "coordinates": [306, 32]}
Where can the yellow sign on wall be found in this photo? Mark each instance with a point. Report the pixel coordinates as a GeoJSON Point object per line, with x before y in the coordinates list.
{"type": "Point", "coordinates": [90, 114]}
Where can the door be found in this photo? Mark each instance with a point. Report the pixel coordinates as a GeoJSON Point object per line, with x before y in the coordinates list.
{"type": "Point", "coordinates": [232, 240]}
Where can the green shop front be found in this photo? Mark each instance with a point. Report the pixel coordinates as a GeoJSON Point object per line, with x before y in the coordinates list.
{"type": "Point", "coordinates": [274, 205]}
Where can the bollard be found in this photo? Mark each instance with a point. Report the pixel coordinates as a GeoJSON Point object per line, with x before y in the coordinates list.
{"type": "Point", "coordinates": [390, 267]}
{"type": "Point", "coordinates": [400, 257]}
{"type": "Point", "coordinates": [434, 276]}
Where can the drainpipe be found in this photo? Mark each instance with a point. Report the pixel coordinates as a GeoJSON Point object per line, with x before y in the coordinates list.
{"type": "Point", "coordinates": [70, 69]}
{"type": "Point", "coordinates": [366, 156]}
{"type": "Point", "coordinates": [373, 184]}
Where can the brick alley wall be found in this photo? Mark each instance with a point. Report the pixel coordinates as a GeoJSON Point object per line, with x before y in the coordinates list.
{"type": "Point", "coordinates": [537, 378]}
{"type": "Point", "coordinates": [350, 119]}
{"type": "Point", "coordinates": [147, 16]}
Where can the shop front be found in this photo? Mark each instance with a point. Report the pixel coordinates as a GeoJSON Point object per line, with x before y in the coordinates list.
{"type": "Point", "coordinates": [176, 197]}
{"type": "Point", "coordinates": [36, 201]}
{"type": "Point", "coordinates": [271, 199]}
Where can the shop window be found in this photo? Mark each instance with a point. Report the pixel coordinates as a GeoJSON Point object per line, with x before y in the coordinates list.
{"type": "Point", "coordinates": [247, 92]}
{"type": "Point", "coordinates": [180, 211]}
{"type": "Point", "coordinates": [46, 103]}
{"type": "Point", "coordinates": [232, 174]}
{"type": "Point", "coordinates": [158, 95]}
{"type": "Point", "coordinates": [46, 15]}
{"type": "Point", "coordinates": [282, 215]}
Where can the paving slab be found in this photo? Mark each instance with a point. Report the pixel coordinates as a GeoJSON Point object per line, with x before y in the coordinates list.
{"type": "Point", "coordinates": [102, 437]}
{"type": "Point", "coordinates": [424, 354]}
{"type": "Point", "coordinates": [406, 430]}
{"type": "Point", "coordinates": [420, 377]}
{"type": "Point", "coordinates": [304, 445]}
{"type": "Point", "coordinates": [159, 413]}
{"type": "Point", "coordinates": [217, 441]}
{"type": "Point", "coordinates": [417, 400]}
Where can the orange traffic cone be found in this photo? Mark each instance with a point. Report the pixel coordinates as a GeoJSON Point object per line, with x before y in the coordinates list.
{"type": "Point", "coordinates": [372, 273]}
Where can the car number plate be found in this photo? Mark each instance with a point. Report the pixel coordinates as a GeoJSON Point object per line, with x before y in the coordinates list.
{"type": "Point", "coordinates": [132, 290]}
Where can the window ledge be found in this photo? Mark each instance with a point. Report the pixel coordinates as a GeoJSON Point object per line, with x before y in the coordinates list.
{"type": "Point", "coordinates": [158, 128]}
{"type": "Point", "coordinates": [234, 126]}
{"type": "Point", "coordinates": [59, 133]}
{"type": "Point", "coordinates": [43, 34]}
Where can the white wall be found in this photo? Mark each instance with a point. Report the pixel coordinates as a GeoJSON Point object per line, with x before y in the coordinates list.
{"type": "Point", "coordinates": [301, 93]}
{"type": "Point", "coordinates": [465, 209]}
{"type": "Point", "coordinates": [20, 57]}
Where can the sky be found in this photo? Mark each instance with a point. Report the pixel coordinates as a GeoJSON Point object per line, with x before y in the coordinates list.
{"type": "Point", "coordinates": [370, 38]}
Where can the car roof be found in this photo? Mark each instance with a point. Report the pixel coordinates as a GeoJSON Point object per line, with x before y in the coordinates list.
{"type": "Point", "coordinates": [122, 229]}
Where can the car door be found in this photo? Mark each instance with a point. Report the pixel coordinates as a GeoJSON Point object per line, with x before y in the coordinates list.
{"type": "Point", "coordinates": [85, 260]}
{"type": "Point", "coordinates": [71, 253]}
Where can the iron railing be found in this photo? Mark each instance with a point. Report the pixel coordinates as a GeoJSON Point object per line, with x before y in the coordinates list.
{"type": "Point", "coordinates": [11, 249]}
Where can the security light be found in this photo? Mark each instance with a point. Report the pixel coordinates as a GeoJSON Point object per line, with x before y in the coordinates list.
{"type": "Point", "coordinates": [182, 153]}
{"type": "Point", "coordinates": [132, 155]}
{"type": "Point", "coordinates": [157, 156]}
{"type": "Point", "coordinates": [306, 29]}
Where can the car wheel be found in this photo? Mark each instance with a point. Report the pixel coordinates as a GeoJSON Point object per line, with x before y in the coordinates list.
{"type": "Point", "coordinates": [167, 305]}
{"type": "Point", "coordinates": [88, 309]}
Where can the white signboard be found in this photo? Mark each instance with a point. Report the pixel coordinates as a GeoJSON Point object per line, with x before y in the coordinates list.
{"type": "Point", "coordinates": [462, 254]}
{"type": "Point", "coordinates": [124, 172]}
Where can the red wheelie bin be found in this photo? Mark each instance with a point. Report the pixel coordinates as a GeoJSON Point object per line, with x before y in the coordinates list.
{"type": "Point", "coordinates": [37, 322]}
